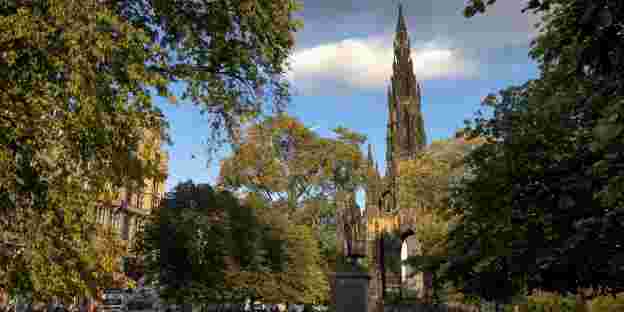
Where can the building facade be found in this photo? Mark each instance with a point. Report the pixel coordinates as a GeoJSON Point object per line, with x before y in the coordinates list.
{"type": "Point", "coordinates": [128, 208]}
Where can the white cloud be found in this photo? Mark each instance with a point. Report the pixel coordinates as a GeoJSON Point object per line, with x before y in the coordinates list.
{"type": "Point", "coordinates": [367, 64]}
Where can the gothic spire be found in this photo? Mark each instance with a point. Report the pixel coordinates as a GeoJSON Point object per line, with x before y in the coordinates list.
{"type": "Point", "coordinates": [401, 27]}
{"type": "Point", "coordinates": [401, 41]}
{"type": "Point", "coordinates": [370, 155]}
{"type": "Point", "coordinates": [405, 135]}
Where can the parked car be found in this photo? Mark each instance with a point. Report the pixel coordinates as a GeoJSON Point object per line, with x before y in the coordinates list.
{"type": "Point", "coordinates": [114, 300]}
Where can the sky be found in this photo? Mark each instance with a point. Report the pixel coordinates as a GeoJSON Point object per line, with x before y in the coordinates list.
{"type": "Point", "coordinates": [341, 66]}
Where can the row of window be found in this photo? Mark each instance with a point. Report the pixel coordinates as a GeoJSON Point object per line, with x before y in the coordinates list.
{"type": "Point", "coordinates": [124, 224]}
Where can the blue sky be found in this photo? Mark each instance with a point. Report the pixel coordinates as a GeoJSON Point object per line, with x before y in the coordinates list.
{"type": "Point", "coordinates": [341, 68]}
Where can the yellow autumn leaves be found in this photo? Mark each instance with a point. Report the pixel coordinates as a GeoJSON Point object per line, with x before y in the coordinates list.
{"type": "Point", "coordinates": [424, 184]}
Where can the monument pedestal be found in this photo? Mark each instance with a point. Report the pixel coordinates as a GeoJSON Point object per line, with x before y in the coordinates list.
{"type": "Point", "coordinates": [352, 291]}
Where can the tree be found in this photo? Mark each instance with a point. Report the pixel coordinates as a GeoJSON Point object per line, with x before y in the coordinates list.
{"type": "Point", "coordinates": [299, 173]}
{"type": "Point", "coordinates": [321, 215]}
{"type": "Point", "coordinates": [184, 245]}
{"type": "Point", "coordinates": [76, 87]}
{"type": "Point", "coordinates": [553, 158]}
{"type": "Point", "coordinates": [425, 190]}
{"type": "Point", "coordinates": [543, 227]}
{"type": "Point", "coordinates": [301, 281]}
{"type": "Point", "coordinates": [425, 181]}
{"type": "Point", "coordinates": [223, 250]}
{"type": "Point", "coordinates": [297, 274]}
{"type": "Point", "coordinates": [42, 279]}
{"type": "Point", "coordinates": [282, 160]}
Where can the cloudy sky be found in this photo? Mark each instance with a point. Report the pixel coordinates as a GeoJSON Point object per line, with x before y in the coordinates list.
{"type": "Point", "coordinates": [342, 64]}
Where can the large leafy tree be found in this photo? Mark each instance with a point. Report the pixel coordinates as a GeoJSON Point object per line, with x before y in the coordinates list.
{"type": "Point", "coordinates": [531, 211]}
{"type": "Point", "coordinates": [557, 138]}
{"type": "Point", "coordinates": [224, 250]}
{"type": "Point", "coordinates": [76, 94]}
{"type": "Point", "coordinates": [184, 245]}
{"type": "Point", "coordinates": [299, 173]}
{"type": "Point", "coordinates": [282, 160]}
{"type": "Point", "coordinates": [425, 183]}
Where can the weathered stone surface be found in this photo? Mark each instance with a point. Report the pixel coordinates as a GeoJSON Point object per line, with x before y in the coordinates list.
{"type": "Point", "coordinates": [352, 292]}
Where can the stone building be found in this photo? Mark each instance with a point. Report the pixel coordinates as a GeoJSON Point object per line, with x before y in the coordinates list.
{"type": "Point", "coordinates": [127, 210]}
{"type": "Point", "coordinates": [128, 207]}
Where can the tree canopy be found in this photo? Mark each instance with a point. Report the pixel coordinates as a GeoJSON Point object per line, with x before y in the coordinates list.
{"type": "Point", "coordinates": [222, 249]}
{"type": "Point", "coordinates": [425, 192]}
{"type": "Point", "coordinates": [542, 202]}
{"type": "Point", "coordinates": [77, 85]}
{"type": "Point", "coordinates": [282, 160]}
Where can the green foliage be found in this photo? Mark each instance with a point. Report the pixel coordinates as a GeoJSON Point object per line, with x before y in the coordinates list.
{"type": "Point", "coordinates": [547, 302]}
{"type": "Point", "coordinates": [282, 160]}
{"type": "Point", "coordinates": [346, 265]}
{"type": "Point", "coordinates": [425, 188]}
{"type": "Point", "coordinates": [76, 80]}
{"type": "Point", "coordinates": [183, 245]}
{"type": "Point", "coordinates": [23, 284]}
{"type": "Point", "coordinates": [392, 252]}
{"type": "Point", "coordinates": [69, 127]}
{"type": "Point", "coordinates": [608, 303]}
{"type": "Point", "coordinates": [327, 240]}
{"type": "Point", "coordinates": [207, 247]}
{"type": "Point", "coordinates": [292, 167]}
{"type": "Point", "coordinates": [75, 84]}
{"type": "Point", "coordinates": [544, 190]}
{"type": "Point", "coordinates": [304, 268]}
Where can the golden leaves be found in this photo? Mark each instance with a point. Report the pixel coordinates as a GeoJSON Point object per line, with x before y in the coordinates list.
{"type": "Point", "coordinates": [280, 151]}
{"type": "Point", "coordinates": [424, 184]}
{"type": "Point", "coordinates": [248, 7]}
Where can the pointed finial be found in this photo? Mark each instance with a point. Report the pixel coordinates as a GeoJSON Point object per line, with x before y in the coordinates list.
{"type": "Point", "coordinates": [401, 22]}
{"type": "Point", "coordinates": [370, 154]}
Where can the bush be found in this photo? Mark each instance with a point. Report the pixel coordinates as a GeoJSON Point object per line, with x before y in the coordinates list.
{"type": "Point", "coordinates": [546, 302]}
{"type": "Point", "coordinates": [608, 303]}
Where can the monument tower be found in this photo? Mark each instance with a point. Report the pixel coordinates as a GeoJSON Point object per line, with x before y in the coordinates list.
{"type": "Point", "coordinates": [405, 136]}
{"type": "Point", "coordinates": [405, 139]}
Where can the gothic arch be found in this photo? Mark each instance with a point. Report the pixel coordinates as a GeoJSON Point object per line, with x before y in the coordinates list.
{"type": "Point", "coordinates": [410, 247]}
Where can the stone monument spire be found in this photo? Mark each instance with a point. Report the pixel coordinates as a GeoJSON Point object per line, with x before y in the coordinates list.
{"type": "Point", "coordinates": [405, 139]}
{"type": "Point", "coordinates": [406, 132]}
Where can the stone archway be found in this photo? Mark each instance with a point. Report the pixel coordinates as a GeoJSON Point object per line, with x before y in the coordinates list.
{"type": "Point", "coordinates": [403, 258]}
{"type": "Point", "coordinates": [405, 252]}
{"type": "Point", "coordinates": [412, 285]}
